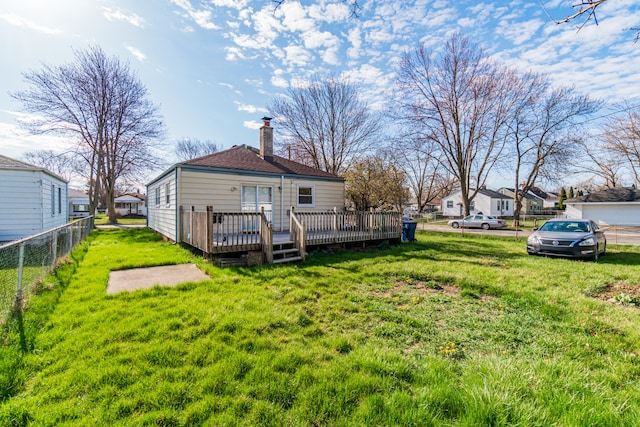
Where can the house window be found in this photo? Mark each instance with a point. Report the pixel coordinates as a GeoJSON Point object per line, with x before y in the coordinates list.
{"type": "Point", "coordinates": [158, 196]}
{"type": "Point", "coordinates": [59, 200]}
{"type": "Point", "coordinates": [306, 195]}
{"type": "Point", "coordinates": [449, 204]}
{"type": "Point", "coordinates": [81, 208]}
{"type": "Point", "coordinates": [53, 199]}
{"type": "Point", "coordinates": [498, 207]}
{"type": "Point", "coordinates": [506, 205]}
{"type": "Point", "coordinates": [472, 205]}
{"type": "Point", "coordinates": [167, 190]}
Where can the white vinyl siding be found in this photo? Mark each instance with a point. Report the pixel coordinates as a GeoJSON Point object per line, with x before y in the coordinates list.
{"type": "Point", "coordinates": [162, 216]}
{"type": "Point", "coordinates": [29, 205]}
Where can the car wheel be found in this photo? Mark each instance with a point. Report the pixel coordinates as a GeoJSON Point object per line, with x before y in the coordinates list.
{"type": "Point", "coordinates": [486, 226]}
{"type": "Point", "coordinates": [604, 249]}
{"type": "Point", "coordinates": [455, 225]}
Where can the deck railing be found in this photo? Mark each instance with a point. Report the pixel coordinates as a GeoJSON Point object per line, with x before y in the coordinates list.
{"type": "Point", "coordinates": [266, 237]}
{"type": "Point", "coordinates": [297, 233]}
{"type": "Point", "coordinates": [221, 232]}
{"type": "Point", "coordinates": [338, 227]}
{"type": "Point", "coordinates": [225, 232]}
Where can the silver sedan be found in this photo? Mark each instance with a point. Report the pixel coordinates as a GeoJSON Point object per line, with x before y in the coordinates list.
{"type": "Point", "coordinates": [478, 221]}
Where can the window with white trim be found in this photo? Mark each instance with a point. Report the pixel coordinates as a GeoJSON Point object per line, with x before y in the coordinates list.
{"type": "Point", "coordinates": [449, 204]}
{"type": "Point", "coordinates": [306, 195]}
{"type": "Point", "coordinates": [167, 189]}
{"type": "Point", "coordinates": [157, 196]}
{"type": "Point", "coordinates": [59, 200]}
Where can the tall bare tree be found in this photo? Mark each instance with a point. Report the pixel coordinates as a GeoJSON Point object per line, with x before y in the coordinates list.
{"type": "Point", "coordinates": [325, 124]}
{"type": "Point", "coordinates": [461, 101]}
{"type": "Point", "coordinates": [606, 167]}
{"type": "Point", "coordinates": [101, 105]}
{"type": "Point", "coordinates": [622, 139]}
{"type": "Point", "coordinates": [187, 148]}
{"type": "Point", "coordinates": [426, 178]}
{"type": "Point", "coordinates": [60, 163]}
{"type": "Point", "coordinates": [545, 133]}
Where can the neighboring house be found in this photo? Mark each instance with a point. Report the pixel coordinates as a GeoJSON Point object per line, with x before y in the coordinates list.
{"type": "Point", "coordinates": [34, 199]}
{"type": "Point", "coordinates": [241, 179]}
{"type": "Point", "coordinates": [488, 202]}
{"type": "Point", "coordinates": [530, 204]}
{"type": "Point", "coordinates": [131, 204]}
{"type": "Point", "coordinates": [78, 203]}
{"type": "Point", "coordinates": [614, 206]}
{"type": "Point", "coordinates": [549, 200]}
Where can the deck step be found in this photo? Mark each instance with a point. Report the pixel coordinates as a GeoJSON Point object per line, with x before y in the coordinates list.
{"type": "Point", "coordinates": [289, 259]}
{"type": "Point", "coordinates": [285, 251]}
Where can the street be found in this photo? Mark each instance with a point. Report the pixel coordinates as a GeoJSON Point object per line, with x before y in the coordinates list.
{"type": "Point", "coordinates": [616, 235]}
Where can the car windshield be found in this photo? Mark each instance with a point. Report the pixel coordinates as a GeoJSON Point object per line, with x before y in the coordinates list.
{"type": "Point", "coordinates": [565, 226]}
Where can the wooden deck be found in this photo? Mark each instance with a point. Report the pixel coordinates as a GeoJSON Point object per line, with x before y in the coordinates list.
{"type": "Point", "coordinates": [217, 233]}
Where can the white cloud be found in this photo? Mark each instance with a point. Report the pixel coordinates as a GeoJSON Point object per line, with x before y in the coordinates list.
{"type": "Point", "coordinates": [200, 17]}
{"type": "Point", "coordinates": [278, 80]}
{"type": "Point", "coordinates": [120, 15]}
{"type": "Point", "coordinates": [135, 52]}
{"type": "Point", "coordinates": [297, 56]}
{"type": "Point", "coordinates": [252, 124]}
{"type": "Point", "coordinates": [18, 21]}
{"type": "Point", "coordinates": [250, 108]}
{"type": "Point", "coordinates": [234, 4]}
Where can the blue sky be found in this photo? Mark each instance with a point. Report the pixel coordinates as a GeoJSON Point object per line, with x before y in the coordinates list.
{"type": "Point", "coordinates": [213, 65]}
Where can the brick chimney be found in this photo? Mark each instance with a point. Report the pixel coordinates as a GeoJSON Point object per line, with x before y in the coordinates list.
{"type": "Point", "coordinates": [266, 139]}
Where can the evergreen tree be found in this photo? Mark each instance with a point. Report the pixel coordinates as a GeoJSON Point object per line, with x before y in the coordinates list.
{"type": "Point", "coordinates": [563, 197]}
{"type": "Point", "coordinates": [570, 193]}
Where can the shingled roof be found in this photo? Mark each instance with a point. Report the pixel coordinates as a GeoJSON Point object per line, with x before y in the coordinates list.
{"type": "Point", "coordinates": [7, 163]}
{"type": "Point", "coordinates": [609, 195]}
{"type": "Point", "coordinates": [13, 163]}
{"type": "Point", "coordinates": [243, 158]}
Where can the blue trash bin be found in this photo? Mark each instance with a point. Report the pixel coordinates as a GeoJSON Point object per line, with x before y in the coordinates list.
{"type": "Point", "coordinates": [409, 231]}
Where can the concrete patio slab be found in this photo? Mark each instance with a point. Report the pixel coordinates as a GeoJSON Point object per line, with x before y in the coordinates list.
{"type": "Point", "coordinates": [144, 278]}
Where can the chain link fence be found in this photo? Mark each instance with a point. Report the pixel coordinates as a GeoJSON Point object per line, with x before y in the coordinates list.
{"type": "Point", "coordinates": [24, 263]}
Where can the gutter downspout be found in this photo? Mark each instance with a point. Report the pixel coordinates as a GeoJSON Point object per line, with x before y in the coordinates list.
{"type": "Point", "coordinates": [281, 203]}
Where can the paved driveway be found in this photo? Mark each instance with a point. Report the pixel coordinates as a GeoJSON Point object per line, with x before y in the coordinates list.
{"type": "Point", "coordinates": [616, 235]}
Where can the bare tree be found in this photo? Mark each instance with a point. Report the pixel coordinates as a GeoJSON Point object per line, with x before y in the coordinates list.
{"type": "Point", "coordinates": [544, 132]}
{"type": "Point", "coordinates": [622, 139]}
{"type": "Point", "coordinates": [461, 101]}
{"type": "Point", "coordinates": [325, 124]}
{"type": "Point", "coordinates": [62, 164]}
{"type": "Point", "coordinates": [100, 104]}
{"type": "Point", "coordinates": [374, 182]}
{"type": "Point", "coordinates": [604, 166]}
{"type": "Point", "coordinates": [187, 149]}
{"type": "Point", "coordinates": [427, 179]}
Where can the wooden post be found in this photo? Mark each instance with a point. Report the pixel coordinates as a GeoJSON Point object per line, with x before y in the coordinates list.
{"type": "Point", "coordinates": [209, 229]}
{"type": "Point", "coordinates": [335, 224]}
{"type": "Point", "coordinates": [20, 268]}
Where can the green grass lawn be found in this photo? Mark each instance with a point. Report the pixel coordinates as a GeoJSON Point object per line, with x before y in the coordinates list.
{"type": "Point", "coordinates": [449, 330]}
{"type": "Point", "coordinates": [102, 219]}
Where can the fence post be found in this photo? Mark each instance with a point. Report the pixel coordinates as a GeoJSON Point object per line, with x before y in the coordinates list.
{"type": "Point", "coordinates": [180, 237]}
{"type": "Point", "coordinates": [54, 250]}
{"type": "Point", "coordinates": [20, 267]}
{"type": "Point", "coordinates": [209, 229]}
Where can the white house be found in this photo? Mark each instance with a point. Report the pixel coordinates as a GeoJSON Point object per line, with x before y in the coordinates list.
{"type": "Point", "coordinates": [241, 179]}
{"type": "Point", "coordinates": [488, 202]}
{"type": "Point", "coordinates": [614, 206]}
{"type": "Point", "coordinates": [131, 204]}
{"type": "Point", "coordinates": [78, 203]}
{"type": "Point", "coordinates": [34, 199]}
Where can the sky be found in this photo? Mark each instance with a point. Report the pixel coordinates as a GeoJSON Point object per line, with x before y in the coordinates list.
{"type": "Point", "coordinates": [212, 66]}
